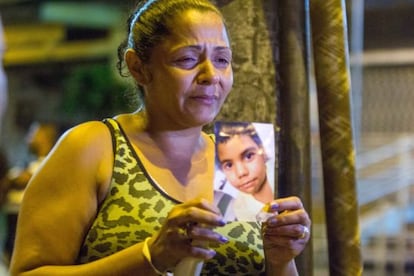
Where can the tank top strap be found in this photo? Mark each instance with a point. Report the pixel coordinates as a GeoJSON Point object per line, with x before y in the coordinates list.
{"type": "Point", "coordinates": [118, 137]}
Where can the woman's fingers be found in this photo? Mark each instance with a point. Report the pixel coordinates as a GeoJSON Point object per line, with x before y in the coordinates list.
{"type": "Point", "coordinates": [291, 231]}
{"type": "Point", "coordinates": [287, 230]}
{"type": "Point", "coordinates": [198, 211]}
{"type": "Point", "coordinates": [200, 233]}
{"type": "Point", "coordinates": [286, 217]}
{"type": "Point", "coordinates": [188, 231]}
{"type": "Point", "coordinates": [286, 203]}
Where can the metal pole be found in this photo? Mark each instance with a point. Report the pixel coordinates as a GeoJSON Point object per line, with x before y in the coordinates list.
{"type": "Point", "coordinates": [293, 110]}
{"type": "Point", "coordinates": [356, 49]}
{"type": "Point", "coordinates": [338, 156]}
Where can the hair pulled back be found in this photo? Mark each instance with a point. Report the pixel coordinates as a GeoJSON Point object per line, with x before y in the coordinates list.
{"type": "Point", "coordinates": [148, 25]}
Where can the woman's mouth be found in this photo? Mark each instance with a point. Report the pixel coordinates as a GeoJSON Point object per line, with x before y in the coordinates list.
{"type": "Point", "coordinates": [205, 99]}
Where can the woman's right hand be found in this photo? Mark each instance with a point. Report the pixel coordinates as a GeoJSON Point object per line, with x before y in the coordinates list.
{"type": "Point", "coordinates": [187, 232]}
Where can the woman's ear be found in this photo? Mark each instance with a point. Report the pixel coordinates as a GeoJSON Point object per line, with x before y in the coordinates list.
{"type": "Point", "coordinates": [137, 68]}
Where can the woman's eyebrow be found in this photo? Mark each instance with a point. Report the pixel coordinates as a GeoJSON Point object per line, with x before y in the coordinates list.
{"type": "Point", "coordinates": [199, 48]}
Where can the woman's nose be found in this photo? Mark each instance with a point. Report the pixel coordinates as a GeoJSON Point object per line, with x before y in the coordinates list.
{"type": "Point", "coordinates": [208, 73]}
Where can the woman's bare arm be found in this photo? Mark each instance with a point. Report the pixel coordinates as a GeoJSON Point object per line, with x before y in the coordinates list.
{"type": "Point", "coordinates": [60, 204]}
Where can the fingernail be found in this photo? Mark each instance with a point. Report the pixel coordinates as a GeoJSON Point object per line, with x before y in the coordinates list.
{"type": "Point", "coordinates": [272, 221]}
{"type": "Point", "coordinates": [224, 239]}
{"type": "Point", "coordinates": [274, 206]}
{"type": "Point", "coordinates": [222, 222]}
{"type": "Point", "coordinates": [212, 253]}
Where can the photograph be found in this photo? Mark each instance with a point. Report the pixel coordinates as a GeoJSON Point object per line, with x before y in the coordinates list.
{"type": "Point", "coordinates": [244, 171]}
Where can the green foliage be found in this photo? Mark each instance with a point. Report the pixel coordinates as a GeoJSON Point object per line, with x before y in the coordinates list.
{"type": "Point", "coordinates": [92, 91]}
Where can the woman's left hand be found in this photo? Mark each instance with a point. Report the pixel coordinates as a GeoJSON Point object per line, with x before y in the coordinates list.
{"type": "Point", "coordinates": [286, 233]}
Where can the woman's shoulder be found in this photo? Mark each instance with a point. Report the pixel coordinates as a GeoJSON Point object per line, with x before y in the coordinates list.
{"type": "Point", "coordinates": [86, 142]}
{"type": "Point", "coordinates": [132, 122]}
{"type": "Point", "coordinates": [86, 148]}
{"type": "Point", "coordinates": [86, 134]}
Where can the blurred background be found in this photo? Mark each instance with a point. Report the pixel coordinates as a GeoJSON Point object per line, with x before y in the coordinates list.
{"type": "Point", "coordinates": [60, 59]}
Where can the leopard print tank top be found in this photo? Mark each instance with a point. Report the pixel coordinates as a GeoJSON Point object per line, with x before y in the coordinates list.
{"type": "Point", "coordinates": [135, 207]}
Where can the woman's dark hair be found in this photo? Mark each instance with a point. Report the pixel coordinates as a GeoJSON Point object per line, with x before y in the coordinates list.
{"type": "Point", "coordinates": [148, 25]}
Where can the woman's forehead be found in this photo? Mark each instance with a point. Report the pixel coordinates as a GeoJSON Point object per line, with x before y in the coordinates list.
{"type": "Point", "coordinates": [194, 26]}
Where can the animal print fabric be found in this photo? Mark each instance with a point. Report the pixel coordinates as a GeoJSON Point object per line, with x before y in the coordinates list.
{"type": "Point", "coordinates": [135, 208]}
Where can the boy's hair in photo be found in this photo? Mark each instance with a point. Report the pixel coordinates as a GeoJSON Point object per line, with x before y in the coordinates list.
{"type": "Point", "coordinates": [224, 131]}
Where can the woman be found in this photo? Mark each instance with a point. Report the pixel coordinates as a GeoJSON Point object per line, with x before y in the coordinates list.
{"type": "Point", "coordinates": [242, 158]}
{"type": "Point", "coordinates": [132, 195]}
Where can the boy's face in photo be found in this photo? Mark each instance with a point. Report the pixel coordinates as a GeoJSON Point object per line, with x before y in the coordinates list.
{"type": "Point", "coordinates": [243, 163]}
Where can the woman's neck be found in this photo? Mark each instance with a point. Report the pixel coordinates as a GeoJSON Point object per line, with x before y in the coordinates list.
{"type": "Point", "coordinates": [172, 149]}
{"type": "Point", "coordinates": [174, 141]}
{"type": "Point", "coordinates": [180, 151]}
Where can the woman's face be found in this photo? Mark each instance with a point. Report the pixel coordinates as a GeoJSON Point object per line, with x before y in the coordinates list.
{"type": "Point", "coordinates": [243, 163]}
{"type": "Point", "coordinates": [190, 72]}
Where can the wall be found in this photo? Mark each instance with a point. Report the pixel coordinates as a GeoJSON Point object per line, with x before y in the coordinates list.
{"type": "Point", "coordinates": [253, 95]}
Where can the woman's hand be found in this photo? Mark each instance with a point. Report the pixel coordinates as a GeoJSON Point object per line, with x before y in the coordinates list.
{"type": "Point", "coordinates": [286, 233]}
{"type": "Point", "coordinates": [187, 232]}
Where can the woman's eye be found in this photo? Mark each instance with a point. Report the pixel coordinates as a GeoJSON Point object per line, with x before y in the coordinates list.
{"type": "Point", "coordinates": [222, 62]}
{"type": "Point", "coordinates": [186, 62]}
{"type": "Point", "coordinates": [187, 59]}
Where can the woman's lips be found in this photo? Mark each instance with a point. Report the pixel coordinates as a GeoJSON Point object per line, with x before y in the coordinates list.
{"type": "Point", "coordinates": [205, 99]}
